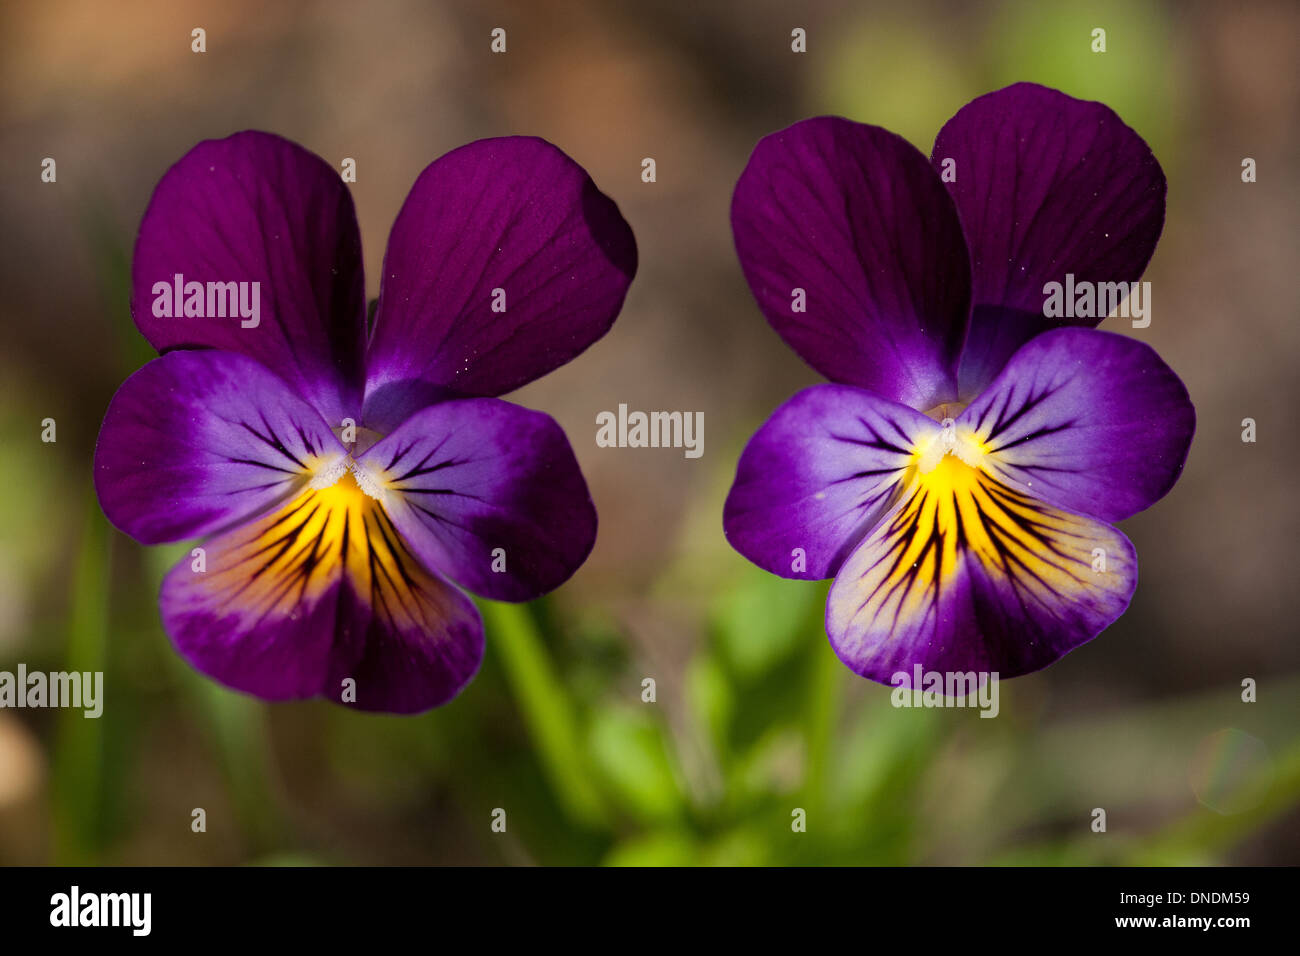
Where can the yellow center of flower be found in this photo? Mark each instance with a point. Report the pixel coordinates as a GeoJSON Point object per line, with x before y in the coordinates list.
{"type": "Point", "coordinates": [958, 441]}
{"type": "Point", "coordinates": [953, 510]}
{"type": "Point", "coordinates": [326, 532]}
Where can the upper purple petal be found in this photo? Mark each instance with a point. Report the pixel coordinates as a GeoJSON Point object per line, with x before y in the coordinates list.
{"type": "Point", "coordinates": [257, 208]}
{"type": "Point", "coordinates": [1091, 421]}
{"type": "Point", "coordinates": [513, 214]}
{"type": "Point", "coordinates": [487, 493]}
{"type": "Point", "coordinates": [197, 441]}
{"type": "Point", "coordinates": [1045, 185]}
{"type": "Point", "coordinates": [814, 478]}
{"type": "Point", "coordinates": [854, 217]}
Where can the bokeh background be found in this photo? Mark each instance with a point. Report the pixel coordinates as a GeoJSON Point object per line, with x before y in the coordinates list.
{"type": "Point", "coordinates": [754, 716]}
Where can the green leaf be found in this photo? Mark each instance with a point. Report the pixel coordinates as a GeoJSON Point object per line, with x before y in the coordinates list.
{"type": "Point", "coordinates": [663, 848]}
{"type": "Point", "coordinates": [630, 751]}
{"type": "Point", "coordinates": [761, 620]}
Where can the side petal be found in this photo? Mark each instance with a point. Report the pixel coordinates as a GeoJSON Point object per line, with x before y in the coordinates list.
{"type": "Point", "coordinates": [1091, 421]}
{"type": "Point", "coordinates": [505, 262]}
{"type": "Point", "coordinates": [197, 441]}
{"type": "Point", "coordinates": [966, 574]}
{"type": "Point", "coordinates": [323, 590]}
{"type": "Point", "coordinates": [817, 475]}
{"type": "Point", "coordinates": [854, 217]}
{"type": "Point", "coordinates": [487, 493]}
{"type": "Point", "coordinates": [255, 208]}
{"type": "Point", "coordinates": [1045, 185]}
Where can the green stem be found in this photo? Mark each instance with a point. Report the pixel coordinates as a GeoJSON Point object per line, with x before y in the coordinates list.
{"type": "Point", "coordinates": [825, 700]}
{"type": "Point", "coordinates": [825, 693]}
{"type": "Point", "coordinates": [547, 710]}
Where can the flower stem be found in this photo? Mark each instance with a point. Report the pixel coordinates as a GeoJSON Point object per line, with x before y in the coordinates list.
{"type": "Point", "coordinates": [547, 710]}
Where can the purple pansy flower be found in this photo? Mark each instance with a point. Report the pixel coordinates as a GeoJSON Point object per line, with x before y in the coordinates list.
{"type": "Point", "coordinates": [349, 472]}
{"type": "Point", "coordinates": [960, 477]}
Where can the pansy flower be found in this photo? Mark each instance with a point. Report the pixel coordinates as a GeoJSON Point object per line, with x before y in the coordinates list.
{"type": "Point", "coordinates": [351, 476]}
{"type": "Point", "coordinates": [960, 478]}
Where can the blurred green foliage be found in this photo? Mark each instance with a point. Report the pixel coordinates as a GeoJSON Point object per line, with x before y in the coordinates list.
{"type": "Point", "coordinates": [768, 728]}
{"type": "Point", "coordinates": [946, 64]}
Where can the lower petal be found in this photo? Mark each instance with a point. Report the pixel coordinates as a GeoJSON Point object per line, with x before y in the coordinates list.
{"type": "Point", "coordinates": [422, 642]}
{"type": "Point", "coordinates": [320, 591]}
{"type": "Point", "coordinates": [256, 608]}
{"type": "Point", "coordinates": [968, 574]}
